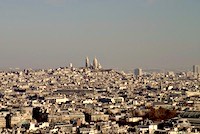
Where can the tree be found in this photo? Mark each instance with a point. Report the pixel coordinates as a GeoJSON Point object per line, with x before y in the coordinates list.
{"type": "Point", "coordinates": [160, 114]}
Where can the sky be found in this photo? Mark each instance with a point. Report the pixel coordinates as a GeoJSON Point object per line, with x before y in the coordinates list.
{"type": "Point", "coordinates": [121, 34]}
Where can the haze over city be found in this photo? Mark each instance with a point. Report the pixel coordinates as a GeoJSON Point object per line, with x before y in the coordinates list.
{"type": "Point", "coordinates": [99, 67]}
{"type": "Point", "coordinates": [121, 34]}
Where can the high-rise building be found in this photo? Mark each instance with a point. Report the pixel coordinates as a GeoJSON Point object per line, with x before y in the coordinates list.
{"type": "Point", "coordinates": [138, 72]}
{"type": "Point", "coordinates": [95, 63]}
{"type": "Point", "coordinates": [196, 69]}
{"type": "Point", "coordinates": [87, 62]}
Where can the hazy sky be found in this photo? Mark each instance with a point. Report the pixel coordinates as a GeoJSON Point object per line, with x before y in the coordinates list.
{"type": "Point", "coordinates": [122, 34]}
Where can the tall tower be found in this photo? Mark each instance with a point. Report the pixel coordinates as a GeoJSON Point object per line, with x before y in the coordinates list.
{"type": "Point", "coordinates": [87, 62]}
{"type": "Point", "coordinates": [70, 65]}
{"type": "Point", "coordinates": [138, 72]}
{"type": "Point", "coordinates": [196, 69]}
{"type": "Point", "coordinates": [95, 63]}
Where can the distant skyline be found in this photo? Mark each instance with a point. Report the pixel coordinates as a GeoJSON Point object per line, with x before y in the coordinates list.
{"type": "Point", "coordinates": [148, 34]}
